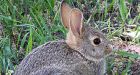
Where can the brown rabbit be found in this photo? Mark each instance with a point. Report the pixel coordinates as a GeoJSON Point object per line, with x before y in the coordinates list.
{"type": "Point", "coordinates": [82, 53]}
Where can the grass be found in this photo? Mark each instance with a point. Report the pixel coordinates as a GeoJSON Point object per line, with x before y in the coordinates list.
{"type": "Point", "coordinates": [27, 24]}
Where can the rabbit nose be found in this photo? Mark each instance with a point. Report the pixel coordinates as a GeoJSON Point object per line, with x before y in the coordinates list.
{"type": "Point", "coordinates": [111, 46]}
{"type": "Point", "coordinates": [93, 49]}
{"type": "Point", "coordinates": [108, 49]}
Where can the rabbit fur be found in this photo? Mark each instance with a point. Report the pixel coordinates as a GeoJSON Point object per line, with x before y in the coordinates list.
{"type": "Point", "coordinates": [82, 53]}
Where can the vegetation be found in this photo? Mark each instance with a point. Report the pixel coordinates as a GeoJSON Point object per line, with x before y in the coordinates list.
{"type": "Point", "coordinates": [26, 24]}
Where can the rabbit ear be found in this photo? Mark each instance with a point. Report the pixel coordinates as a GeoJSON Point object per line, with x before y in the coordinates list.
{"type": "Point", "coordinates": [76, 22]}
{"type": "Point", "coordinates": [65, 14]}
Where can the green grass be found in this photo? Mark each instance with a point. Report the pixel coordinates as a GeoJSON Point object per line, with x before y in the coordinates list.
{"type": "Point", "coordinates": [28, 24]}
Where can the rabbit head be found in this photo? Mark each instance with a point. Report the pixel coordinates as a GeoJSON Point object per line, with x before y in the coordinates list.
{"type": "Point", "coordinates": [89, 42]}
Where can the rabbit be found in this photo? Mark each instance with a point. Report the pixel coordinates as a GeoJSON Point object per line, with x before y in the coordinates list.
{"type": "Point", "coordinates": [83, 52]}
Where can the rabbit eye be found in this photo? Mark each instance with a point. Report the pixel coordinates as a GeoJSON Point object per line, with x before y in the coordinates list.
{"type": "Point", "coordinates": [97, 41]}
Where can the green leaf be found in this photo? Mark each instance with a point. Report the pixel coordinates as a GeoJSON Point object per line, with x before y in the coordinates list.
{"type": "Point", "coordinates": [30, 42]}
{"type": "Point", "coordinates": [23, 40]}
{"type": "Point", "coordinates": [123, 9]}
{"type": "Point", "coordinates": [127, 54]}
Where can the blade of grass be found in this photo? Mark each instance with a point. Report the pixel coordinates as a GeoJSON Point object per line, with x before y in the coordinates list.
{"type": "Point", "coordinates": [30, 42]}
{"type": "Point", "coordinates": [123, 9]}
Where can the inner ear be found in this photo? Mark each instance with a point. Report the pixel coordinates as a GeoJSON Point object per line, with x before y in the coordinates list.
{"type": "Point", "coordinates": [76, 22]}
{"type": "Point", "coordinates": [65, 14]}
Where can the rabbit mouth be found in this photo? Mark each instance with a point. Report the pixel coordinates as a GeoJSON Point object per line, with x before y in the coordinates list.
{"type": "Point", "coordinates": [95, 58]}
{"type": "Point", "coordinates": [99, 57]}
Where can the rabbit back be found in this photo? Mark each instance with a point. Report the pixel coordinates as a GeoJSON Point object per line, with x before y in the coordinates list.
{"type": "Point", "coordinates": [50, 54]}
{"type": "Point", "coordinates": [55, 58]}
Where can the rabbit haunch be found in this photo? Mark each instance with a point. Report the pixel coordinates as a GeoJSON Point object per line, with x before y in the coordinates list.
{"type": "Point", "coordinates": [82, 53]}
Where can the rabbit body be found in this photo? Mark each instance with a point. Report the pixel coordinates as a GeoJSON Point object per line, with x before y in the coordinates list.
{"type": "Point", "coordinates": [82, 53]}
{"type": "Point", "coordinates": [57, 58]}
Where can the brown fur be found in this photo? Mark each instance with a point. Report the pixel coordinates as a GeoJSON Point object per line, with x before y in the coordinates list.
{"type": "Point", "coordinates": [77, 55]}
